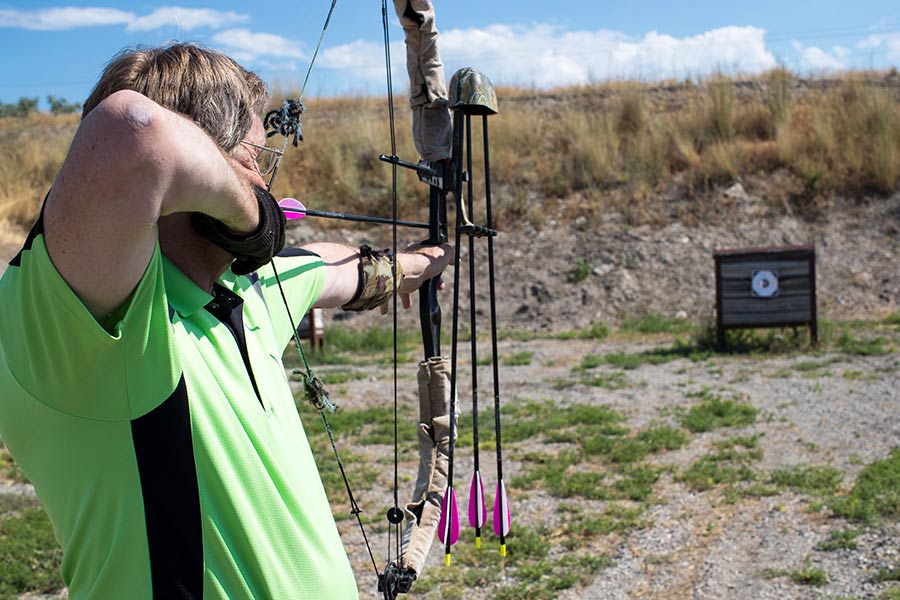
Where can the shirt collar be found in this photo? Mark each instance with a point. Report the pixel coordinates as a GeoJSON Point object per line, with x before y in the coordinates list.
{"type": "Point", "coordinates": [183, 294]}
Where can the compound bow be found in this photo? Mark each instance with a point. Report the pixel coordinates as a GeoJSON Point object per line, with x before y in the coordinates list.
{"type": "Point", "coordinates": [442, 148]}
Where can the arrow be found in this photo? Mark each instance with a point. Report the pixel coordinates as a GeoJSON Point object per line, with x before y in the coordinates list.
{"type": "Point", "coordinates": [294, 209]}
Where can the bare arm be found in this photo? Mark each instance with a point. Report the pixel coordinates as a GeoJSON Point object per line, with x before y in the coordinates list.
{"type": "Point", "coordinates": [419, 264]}
{"type": "Point", "coordinates": [130, 163]}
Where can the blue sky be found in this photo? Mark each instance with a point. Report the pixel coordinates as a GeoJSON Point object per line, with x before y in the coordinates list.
{"type": "Point", "coordinates": [60, 48]}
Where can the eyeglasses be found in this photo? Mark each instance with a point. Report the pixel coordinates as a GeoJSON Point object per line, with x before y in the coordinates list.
{"type": "Point", "coordinates": [266, 157]}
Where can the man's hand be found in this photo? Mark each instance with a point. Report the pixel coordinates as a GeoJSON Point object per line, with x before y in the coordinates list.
{"type": "Point", "coordinates": [421, 263]}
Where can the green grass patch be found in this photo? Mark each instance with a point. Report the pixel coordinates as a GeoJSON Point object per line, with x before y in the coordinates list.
{"type": "Point", "coordinates": [714, 413]}
{"type": "Point", "coordinates": [8, 467]}
{"type": "Point", "coordinates": [29, 555]}
{"type": "Point", "coordinates": [876, 493]}
{"type": "Point", "coordinates": [597, 331]}
{"type": "Point", "coordinates": [887, 575]}
{"type": "Point", "coordinates": [371, 425]}
{"type": "Point", "coordinates": [805, 575]}
{"type": "Point", "coordinates": [528, 571]}
{"type": "Point", "coordinates": [809, 575]}
{"type": "Point", "coordinates": [809, 479]}
{"type": "Point", "coordinates": [655, 323]}
{"type": "Point", "coordinates": [590, 361]}
{"type": "Point", "coordinates": [839, 540]}
{"type": "Point", "coordinates": [874, 346]}
{"type": "Point", "coordinates": [729, 466]}
{"type": "Point", "coordinates": [582, 526]}
{"type": "Point", "coordinates": [580, 271]}
{"type": "Point", "coordinates": [608, 381]}
{"type": "Point", "coordinates": [530, 419]}
{"type": "Point", "coordinates": [709, 472]}
{"type": "Point", "coordinates": [518, 359]}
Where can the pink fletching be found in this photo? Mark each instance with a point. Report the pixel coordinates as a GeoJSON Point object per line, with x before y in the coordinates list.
{"type": "Point", "coordinates": [293, 209]}
{"type": "Point", "coordinates": [448, 526]}
{"type": "Point", "coordinates": [477, 509]}
{"type": "Point", "coordinates": [501, 511]}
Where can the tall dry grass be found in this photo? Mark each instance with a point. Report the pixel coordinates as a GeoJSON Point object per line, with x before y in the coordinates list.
{"type": "Point", "coordinates": [615, 145]}
{"type": "Point", "coordinates": [31, 152]}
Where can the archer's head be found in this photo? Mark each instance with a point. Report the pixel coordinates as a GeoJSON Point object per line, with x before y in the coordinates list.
{"type": "Point", "coordinates": [206, 86]}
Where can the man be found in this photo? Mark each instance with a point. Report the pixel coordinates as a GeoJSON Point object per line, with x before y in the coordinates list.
{"type": "Point", "coordinates": [141, 331]}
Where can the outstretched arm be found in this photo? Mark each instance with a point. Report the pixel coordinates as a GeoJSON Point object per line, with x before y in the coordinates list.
{"type": "Point", "coordinates": [419, 264]}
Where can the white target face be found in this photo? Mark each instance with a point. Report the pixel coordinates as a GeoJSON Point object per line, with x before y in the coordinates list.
{"type": "Point", "coordinates": [764, 284]}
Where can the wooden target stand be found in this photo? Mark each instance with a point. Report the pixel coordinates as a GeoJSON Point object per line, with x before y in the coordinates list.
{"type": "Point", "coordinates": [765, 287]}
{"type": "Point", "coordinates": [312, 328]}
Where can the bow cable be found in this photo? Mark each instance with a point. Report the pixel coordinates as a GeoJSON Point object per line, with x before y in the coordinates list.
{"type": "Point", "coordinates": [286, 121]}
{"type": "Point", "coordinates": [394, 514]}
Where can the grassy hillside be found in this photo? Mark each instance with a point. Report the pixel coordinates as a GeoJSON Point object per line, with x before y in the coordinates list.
{"type": "Point", "coordinates": [610, 146]}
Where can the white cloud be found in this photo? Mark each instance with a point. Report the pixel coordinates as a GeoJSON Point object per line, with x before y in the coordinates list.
{"type": "Point", "coordinates": [246, 46]}
{"type": "Point", "coordinates": [68, 17]}
{"type": "Point", "coordinates": [813, 58]}
{"type": "Point", "coordinates": [889, 41]}
{"type": "Point", "coordinates": [186, 19]}
{"type": "Point", "coordinates": [362, 59]}
{"type": "Point", "coordinates": [546, 56]}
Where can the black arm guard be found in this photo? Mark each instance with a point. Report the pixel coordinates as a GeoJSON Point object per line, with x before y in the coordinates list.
{"type": "Point", "coordinates": [253, 250]}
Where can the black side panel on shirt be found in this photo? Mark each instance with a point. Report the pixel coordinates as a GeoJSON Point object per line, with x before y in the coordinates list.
{"type": "Point", "coordinates": [165, 457]}
{"type": "Point", "coordinates": [36, 230]}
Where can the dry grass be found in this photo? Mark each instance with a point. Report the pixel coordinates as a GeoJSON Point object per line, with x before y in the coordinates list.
{"type": "Point", "coordinates": [616, 145]}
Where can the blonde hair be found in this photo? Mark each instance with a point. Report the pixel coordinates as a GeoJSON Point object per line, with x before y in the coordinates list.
{"type": "Point", "coordinates": [206, 86]}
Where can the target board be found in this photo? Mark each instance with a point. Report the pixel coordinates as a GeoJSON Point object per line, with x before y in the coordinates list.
{"type": "Point", "coordinates": [765, 287]}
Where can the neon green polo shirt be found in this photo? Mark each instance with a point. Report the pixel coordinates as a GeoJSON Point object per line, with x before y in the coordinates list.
{"type": "Point", "coordinates": [168, 454]}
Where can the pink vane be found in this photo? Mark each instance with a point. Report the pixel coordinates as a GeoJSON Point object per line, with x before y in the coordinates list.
{"type": "Point", "coordinates": [448, 526]}
{"type": "Point", "coordinates": [293, 209]}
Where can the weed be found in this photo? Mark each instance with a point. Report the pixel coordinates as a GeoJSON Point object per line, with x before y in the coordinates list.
{"type": "Point", "coordinates": [887, 575]}
{"type": "Point", "coordinates": [876, 493]}
{"type": "Point", "coordinates": [655, 323]}
{"type": "Point", "coordinates": [809, 575]}
{"type": "Point", "coordinates": [809, 479]}
{"type": "Point", "coordinates": [806, 575]}
{"type": "Point", "coordinates": [8, 466]}
{"type": "Point", "coordinates": [580, 271]}
{"type": "Point", "coordinates": [840, 540]}
{"type": "Point", "coordinates": [30, 559]}
{"type": "Point", "coordinates": [877, 346]}
{"type": "Point", "coordinates": [714, 413]}
{"type": "Point", "coordinates": [519, 359]}
{"type": "Point", "coordinates": [596, 331]}
{"type": "Point", "coordinates": [609, 381]}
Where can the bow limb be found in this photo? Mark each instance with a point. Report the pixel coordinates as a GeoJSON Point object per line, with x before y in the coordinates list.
{"type": "Point", "coordinates": [432, 136]}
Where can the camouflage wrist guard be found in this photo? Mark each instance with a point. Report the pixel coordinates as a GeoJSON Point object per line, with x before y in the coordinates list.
{"type": "Point", "coordinates": [375, 276]}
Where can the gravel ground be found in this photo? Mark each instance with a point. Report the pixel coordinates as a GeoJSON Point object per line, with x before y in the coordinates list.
{"type": "Point", "coordinates": [697, 545]}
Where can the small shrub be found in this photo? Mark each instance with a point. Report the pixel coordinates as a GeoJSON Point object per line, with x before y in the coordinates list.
{"type": "Point", "coordinates": [580, 271]}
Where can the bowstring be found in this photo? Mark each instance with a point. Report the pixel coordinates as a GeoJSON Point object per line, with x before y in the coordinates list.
{"type": "Point", "coordinates": [395, 511]}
